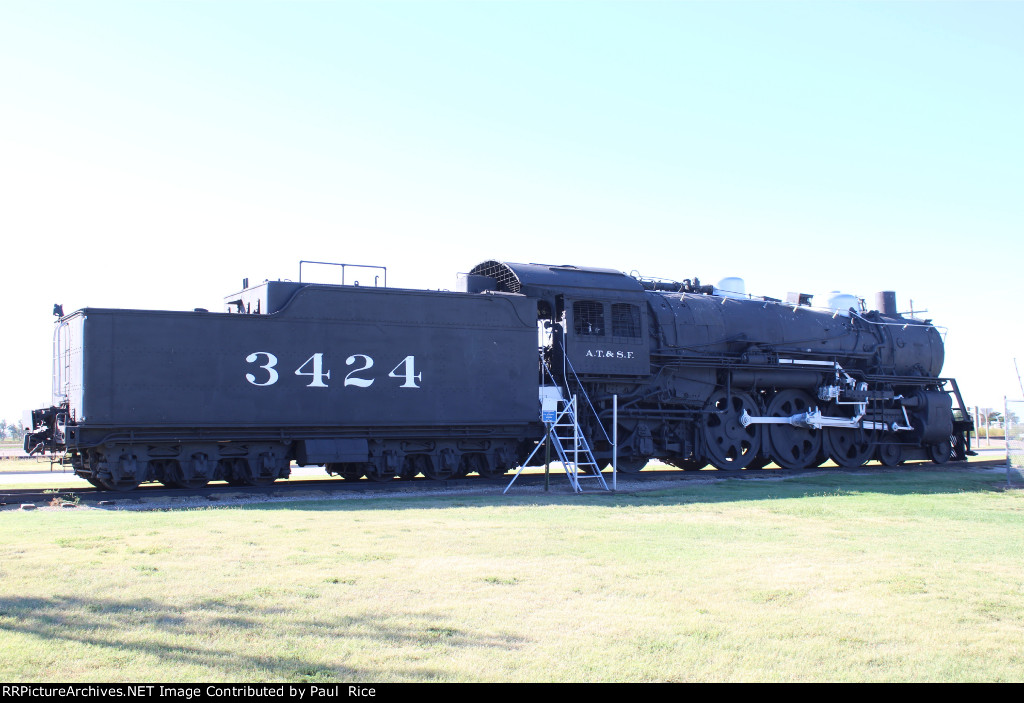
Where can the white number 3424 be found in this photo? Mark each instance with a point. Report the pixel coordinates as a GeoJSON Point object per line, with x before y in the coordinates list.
{"type": "Point", "coordinates": [313, 368]}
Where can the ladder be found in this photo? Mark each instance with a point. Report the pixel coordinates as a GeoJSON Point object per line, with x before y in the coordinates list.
{"type": "Point", "coordinates": [574, 452]}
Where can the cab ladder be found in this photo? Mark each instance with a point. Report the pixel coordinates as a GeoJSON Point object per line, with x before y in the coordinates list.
{"type": "Point", "coordinates": [574, 452]}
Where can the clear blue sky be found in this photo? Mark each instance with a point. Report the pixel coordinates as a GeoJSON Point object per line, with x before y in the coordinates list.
{"type": "Point", "coordinates": [154, 154]}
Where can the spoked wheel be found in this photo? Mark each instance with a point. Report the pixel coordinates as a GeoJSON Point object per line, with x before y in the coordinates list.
{"type": "Point", "coordinates": [727, 443]}
{"type": "Point", "coordinates": [792, 447]}
{"type": "Point", "coordinates": [889, 454]}
{"type": "Point", "coordinates": [941, 452]}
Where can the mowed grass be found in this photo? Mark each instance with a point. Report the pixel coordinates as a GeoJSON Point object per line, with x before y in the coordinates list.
{"type": "Point", "coordinates": [888, 577]}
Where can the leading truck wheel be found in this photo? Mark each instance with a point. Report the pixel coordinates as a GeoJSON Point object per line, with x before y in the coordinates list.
{"type": "Point", "coordinates": [889, 454]}
{"type": "Point", "coordinates": [941, 452]}
{"type": "Point", "coordinates": [848, 448]}
{"type": "Point", "coordinates": [728, 444]}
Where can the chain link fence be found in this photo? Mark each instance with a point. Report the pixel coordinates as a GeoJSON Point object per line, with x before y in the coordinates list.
{"type": "Point", "coordinates": [1013, 419]}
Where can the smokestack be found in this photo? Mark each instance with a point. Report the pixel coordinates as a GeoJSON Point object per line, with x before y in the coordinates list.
{"type": "Point", "coordinates": [885, 302]}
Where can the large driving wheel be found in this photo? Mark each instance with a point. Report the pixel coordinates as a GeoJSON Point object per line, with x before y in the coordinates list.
{"type": "Point", "coordinates": [792, 447]}
{"type": "Point", "coordinates": [728, 444]}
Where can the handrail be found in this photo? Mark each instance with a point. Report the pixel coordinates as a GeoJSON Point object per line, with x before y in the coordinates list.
{"type": "Point", "coordinates": [344, 266]}
{"type": "Point", "coordinates": [582, 390]}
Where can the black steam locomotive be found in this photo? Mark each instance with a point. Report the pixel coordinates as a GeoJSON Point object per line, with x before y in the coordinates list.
{"type": "Point", "coordinates": [384, 383]}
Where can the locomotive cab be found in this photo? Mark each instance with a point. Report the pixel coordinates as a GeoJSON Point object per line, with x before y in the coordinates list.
{"type": "Point", "coordinates": [594, 321]}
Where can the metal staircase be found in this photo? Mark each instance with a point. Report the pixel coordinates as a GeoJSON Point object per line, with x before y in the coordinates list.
{"type": "Point", "coordinates": [563, 433]}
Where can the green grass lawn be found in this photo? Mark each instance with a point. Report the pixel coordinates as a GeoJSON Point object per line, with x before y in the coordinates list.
{"type": "Point", "coordinates": [888, 577]}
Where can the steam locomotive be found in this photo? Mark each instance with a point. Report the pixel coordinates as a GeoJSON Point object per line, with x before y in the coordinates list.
{"type": "Point", "coordinates": [391, 383]}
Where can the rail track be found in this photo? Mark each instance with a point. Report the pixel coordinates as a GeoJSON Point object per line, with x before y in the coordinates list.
{"type": "Point", "coordinates": [326, 488]}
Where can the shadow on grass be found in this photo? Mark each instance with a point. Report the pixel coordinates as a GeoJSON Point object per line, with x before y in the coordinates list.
{"type": "Point", "coordinates": [217, 636]}
{"type": "Point", "coordinates": [718, 489]}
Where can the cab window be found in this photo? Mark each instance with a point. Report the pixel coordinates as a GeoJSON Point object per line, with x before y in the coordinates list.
{"type": "Point", "coordinates": [588, 318]}
{"type": "Point", "coordinates": [625, 320]}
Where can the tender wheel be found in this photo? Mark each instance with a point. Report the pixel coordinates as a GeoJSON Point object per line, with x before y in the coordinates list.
{"type": "Point", "coordinates": [374, 474]}
{"type": "Point", "coordinates": [237, 473]}
{"type": "Point", "coordinates": [440, 470]}
{"type": "Point", "coordinates": [492, 471]}
{"type": "Point", "coordinates": [889, 454]}
{"type": "Point", "coordinates": [174, 476]}
{"type": "Point", "coordinates": [727, 443]}
{"type": "Point", "coordinates": [347, 471]}
{"type": "Point", "coordinates": [792, 447]}
{"type": "Point", "coordinates": [631, 465]}
{"type": "Point", "coordinates": [122, 486]}
{"type": "Point", "coordinates": [475, 461]}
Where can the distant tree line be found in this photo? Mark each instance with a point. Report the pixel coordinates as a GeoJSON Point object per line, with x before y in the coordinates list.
{"type": "Point", "coordinates": [10, 431]}
{"type": "Point", "coordinates": [994, 418]}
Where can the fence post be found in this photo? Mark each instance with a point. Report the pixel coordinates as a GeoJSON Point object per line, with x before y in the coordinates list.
{"type": "Point", "coordinates": [1014, 439]}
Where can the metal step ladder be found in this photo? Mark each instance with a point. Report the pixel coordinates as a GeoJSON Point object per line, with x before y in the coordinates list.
{"type": "Point", "coordinates": [574, 452]}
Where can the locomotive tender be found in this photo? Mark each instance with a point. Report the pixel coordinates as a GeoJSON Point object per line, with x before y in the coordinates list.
{"type": "Point", "coordinates": [385, 382]}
